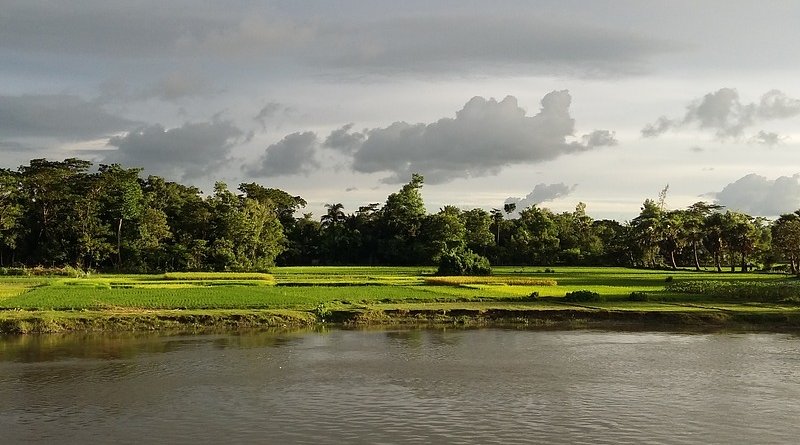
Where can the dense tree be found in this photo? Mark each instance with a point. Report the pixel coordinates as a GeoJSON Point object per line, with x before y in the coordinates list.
{"type": "Point", "coordinates": [786, 239]}
{"type": "Point", "coordinates": [61, 212]}
{"type": "Point", "coordinates": [400, 222]}
{"type": "Point", "coordinates": [11, 211]}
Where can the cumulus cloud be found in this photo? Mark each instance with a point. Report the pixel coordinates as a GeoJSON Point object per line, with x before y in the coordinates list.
{"type": "Point", "coordinates": [757, 195]}
{"type": "Point", "coordinates": [724, 113]}
{"type": "Point", "coordinates": [541, 193]}
{"type": "Point", "coordinates": [189, 151]}
{"type": "Point", "coordinates": [59, 116]}
{"type": "Point", "coordinates": [485, 136]}
{"type": "Point", "coordinates": [292, 155]}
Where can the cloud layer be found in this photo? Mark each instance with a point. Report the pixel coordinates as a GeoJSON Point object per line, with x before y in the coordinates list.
{"type": "Point", "coordinates": [757, 195]}
{"type": "Point", "coordinates": [724, 113]}
{"type": "Point", "coordinates": [58, 116]}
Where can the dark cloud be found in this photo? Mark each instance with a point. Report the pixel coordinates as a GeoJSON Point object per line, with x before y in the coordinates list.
{"type": "Point", "coordinates": [13, 146]}
{"type": "Point", "coordinates": [189, 151]}
{"type": "Point", "coordinates": [723, 112]}
{"type": "Point", "coordinates": [485, 136]}
{"type": "Point", "coordinates": [481, 42]}
{"type": "Point", "coordinates": [60, 116]}
{"type": "Point", "coordinates": [292, 155]}
{"type": "Point", "coordinates": [345, 141]}
{"type": "Point", "coordinates": [426, 42]}
{"type": "Point", "coordinates": [541, 193]}
{"type": "Point", "coordinates": [757, 195]}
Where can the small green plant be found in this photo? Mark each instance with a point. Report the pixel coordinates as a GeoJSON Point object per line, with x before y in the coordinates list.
{"type": "Point", "coordinates": [669, 279]}
{"type": "Point", "coordinates": [639, 296]}
{"type": "Point", "coordinates": [533, 296]}
{"type": "Point", "coordinates": [580, 296]}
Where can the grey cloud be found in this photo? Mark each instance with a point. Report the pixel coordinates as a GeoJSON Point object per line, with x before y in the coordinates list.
{"type": "Point", "coordinates": [189, 151]}
{"type": "Point", "coordinates": [60, 116]}
{"type": "Point", "coordinates": [272, 111]}
{"type": "Point", "coordinates": [345, 141]}
{"type": "Point", "coordinates": [541, 193]}
{"type": "Point", "coordinates": [429, 42]}
{"type": "Point", "coordinates": [777, 105]}
{"type": "Point", "coordinates": [600, 138]}
{"type": "Point", "coordinates": [485, 136]}
{"type": "Point", "coordinates": [460, 42]}
{"type": "Point", "coordinates": [723, 112]}
{"type": "Point", "coordinates": [292, 155]}
{"type": "Point", "coordinates": [13, 146]}
{"type": "Point", "coordinates": [178, 85]}
{"type": "Point", "coordinates": [767, 138]}
{"type": "Point", "coordinates": [757, 195]}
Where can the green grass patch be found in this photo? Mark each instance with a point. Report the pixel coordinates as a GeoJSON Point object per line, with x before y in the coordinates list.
{"type": "Point", "coordinates": [217, 276]}
{"type": "Point", "coordinates": [503, 280]}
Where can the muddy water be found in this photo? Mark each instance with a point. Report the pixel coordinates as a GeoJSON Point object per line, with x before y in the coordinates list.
{"type": "Point", "coordinates": [403, 386]}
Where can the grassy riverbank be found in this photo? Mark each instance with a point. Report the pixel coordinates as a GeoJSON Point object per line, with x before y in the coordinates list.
{"type": "Point", "coordinates": [298, 296]}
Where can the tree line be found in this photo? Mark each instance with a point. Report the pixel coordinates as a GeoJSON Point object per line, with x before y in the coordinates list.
{"type": "Point", "coordinates": [57, 213]}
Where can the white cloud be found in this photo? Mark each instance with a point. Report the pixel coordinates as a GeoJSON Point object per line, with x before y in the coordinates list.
{"type": "Point", "coordinates": [757, 195]}
{"type": "Point", "coordinates": [724, 113]}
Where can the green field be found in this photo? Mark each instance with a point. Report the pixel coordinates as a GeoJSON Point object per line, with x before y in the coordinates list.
{"type": "Point", "coordinates": [320, 290]}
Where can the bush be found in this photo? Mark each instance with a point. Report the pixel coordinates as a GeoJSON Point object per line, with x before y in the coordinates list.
{"type": "Point", "coordinates": [463, 262]}
{"type": "Point", "coordinates": [639, 296]}
{"type": "Point", "coordinates": [583, 296]}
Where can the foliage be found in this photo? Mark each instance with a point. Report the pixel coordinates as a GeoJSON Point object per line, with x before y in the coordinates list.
{"type": "Point", "coordinates": [639, 296]}
{"type": "Point", "coordinates": [581, 296]}
{"type": "Point", "coordinates": [461, 261]}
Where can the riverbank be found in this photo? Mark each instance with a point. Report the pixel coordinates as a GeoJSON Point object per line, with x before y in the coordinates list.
{"type": "Point", "coordinates": [37, 322]}
{"type": "Point", "coordinates": [363, 296]}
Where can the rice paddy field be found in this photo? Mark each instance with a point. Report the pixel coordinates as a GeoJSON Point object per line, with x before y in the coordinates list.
{"type": "Point", "coordinates": [323, 290]}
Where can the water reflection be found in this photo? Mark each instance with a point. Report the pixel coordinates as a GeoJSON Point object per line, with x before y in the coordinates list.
{"type": "Point", "coordinates": [401, 386]}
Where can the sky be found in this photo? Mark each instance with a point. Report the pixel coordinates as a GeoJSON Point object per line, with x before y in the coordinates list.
{"type": "Point", "coordinates": [544, 102]}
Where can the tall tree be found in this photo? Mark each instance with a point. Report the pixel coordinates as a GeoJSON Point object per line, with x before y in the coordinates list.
{"type": "Point", "coordinates": [400, 219]}
{"type": "Point", "coordinates": [11, 211]}
{"type": "Point", "coordinates": [122, 196]}
{"type": "Point", "coordinates": [786, 239]}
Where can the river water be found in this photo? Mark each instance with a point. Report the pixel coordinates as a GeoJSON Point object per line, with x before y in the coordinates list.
{"type": "Point", "coordinates": [477, 386]}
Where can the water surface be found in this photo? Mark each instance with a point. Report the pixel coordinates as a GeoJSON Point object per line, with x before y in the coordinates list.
{"type": "Point", "coordinates": [401, 386]}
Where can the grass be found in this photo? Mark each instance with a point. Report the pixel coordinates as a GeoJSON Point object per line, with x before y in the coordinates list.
{"type": "Point", "coordinates": [497, 280]}
{"type": "Point", "coordinates": [318, 290]}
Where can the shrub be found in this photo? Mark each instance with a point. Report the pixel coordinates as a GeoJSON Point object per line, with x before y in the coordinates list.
{"type": "Point", "coordinates": [668, 279]}
{"type": "Point", "coordinates": [582, 296]}
{"type": "Point", "coordinates": [639, 296]}
{"type": "Point", "coordinates": [462, 261]}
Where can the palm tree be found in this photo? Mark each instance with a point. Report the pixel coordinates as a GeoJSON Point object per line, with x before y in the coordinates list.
{"type": "Point", "coordinates": [334, 216]}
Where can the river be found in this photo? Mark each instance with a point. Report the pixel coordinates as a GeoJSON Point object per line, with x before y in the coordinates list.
{"type": "Point", "coordinates": [477, 386]}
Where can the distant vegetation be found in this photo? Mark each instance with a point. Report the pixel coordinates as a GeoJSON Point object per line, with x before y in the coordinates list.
{"type": "Point", "coordinates": [66, 216]}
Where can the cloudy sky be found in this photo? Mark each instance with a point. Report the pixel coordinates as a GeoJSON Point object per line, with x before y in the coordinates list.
{"type": "Point", "coordinates": [550, 102]}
